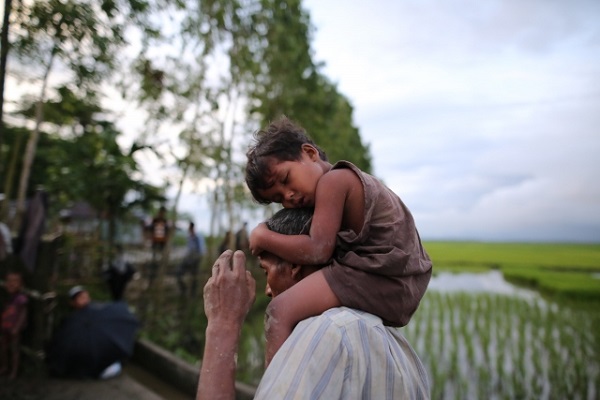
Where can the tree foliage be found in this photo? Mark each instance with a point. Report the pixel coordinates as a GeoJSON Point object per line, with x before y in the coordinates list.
{"type": "Point", "coordinates": [82, 36]}
{"type": "Point", "coordinates": [291, 83]}
{"type": "Point", "coordinates": [78, 38]}
{"type": "Point", "coordinates": [4, 48]}
{"type": "Point", "coordinates": [206, 73]}
{"type": "Point", "coordinates": [79, 159]}
{"type": "Point", "coordinates": [233, 66]}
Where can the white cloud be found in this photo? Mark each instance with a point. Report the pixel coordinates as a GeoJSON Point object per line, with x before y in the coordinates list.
{"type": "Point", "coordinates": [482, 116]}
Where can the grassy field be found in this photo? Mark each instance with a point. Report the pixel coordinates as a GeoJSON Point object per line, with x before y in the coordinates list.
{"type": "Point", "coordinates": [486, 346]}
{"type": "Point", "coordinates": [562, 271]}
{"type": "Point", "coordinates": [491, 346]}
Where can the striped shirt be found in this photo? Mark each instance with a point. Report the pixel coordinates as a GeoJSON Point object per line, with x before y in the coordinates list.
{"type": "Point", "coordinates": [344, 354]}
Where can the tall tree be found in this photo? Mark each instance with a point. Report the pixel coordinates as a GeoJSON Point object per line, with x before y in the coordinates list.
{"type": "Point", "coordinates": [79, 38]}
{"type": "Point", "coordinates": [79, 144]}
{"type": "Point", "coordinates": [238, 64]}
{"type": "Point", "coordinates": [197, 90]}
{"type": "Point", "coordinates": [290, 83]}
{"type": "Point", "coordinates": [4, 47]}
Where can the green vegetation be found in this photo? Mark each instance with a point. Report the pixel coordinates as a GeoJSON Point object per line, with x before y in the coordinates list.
{"type": "Point", "coordinates": [201, 86]}
{"type": "Point", "coordinates": [481, 346]}
{"type": "Point", "coordinates": [564, 271]}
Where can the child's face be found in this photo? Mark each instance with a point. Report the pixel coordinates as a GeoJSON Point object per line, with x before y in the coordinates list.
{"type": "Point", "coordinates": [295, 182]}
{"type": "Point", "coordinates": [13, 283]}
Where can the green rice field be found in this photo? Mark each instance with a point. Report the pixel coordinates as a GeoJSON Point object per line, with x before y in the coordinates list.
{"type": "Point", "coordinates": [546, 345]}
{"type": "Point", "coordinates": [484, 346]}
{"type": "Point", "coordinates": [561, 271]}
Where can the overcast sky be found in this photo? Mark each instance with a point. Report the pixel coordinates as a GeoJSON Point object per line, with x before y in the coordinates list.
{"type": "Point", "coordinates": [483, 116]}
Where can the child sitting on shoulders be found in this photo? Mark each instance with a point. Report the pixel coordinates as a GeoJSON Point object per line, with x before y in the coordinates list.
{"type": "Point", "coordinates": [361, 231]}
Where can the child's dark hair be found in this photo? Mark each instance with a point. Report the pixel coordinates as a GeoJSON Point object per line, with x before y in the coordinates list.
{"type": "Point", "coordinates": [282, 140]}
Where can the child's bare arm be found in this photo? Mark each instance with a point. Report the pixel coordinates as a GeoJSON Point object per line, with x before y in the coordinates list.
{"type": "Point", "coordinates": [336, 195]}
{"type": "Point", "coordinates": [309, 297]}
{"type": "Point", "coordinates": [257, 237]}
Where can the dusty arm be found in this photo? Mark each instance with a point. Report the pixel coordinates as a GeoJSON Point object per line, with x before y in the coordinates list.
{"type": "Point", "coordinates": [228, 295]}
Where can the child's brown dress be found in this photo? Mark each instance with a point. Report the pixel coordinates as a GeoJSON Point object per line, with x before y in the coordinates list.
{"type": "Point", "coordinates": [384, 270]}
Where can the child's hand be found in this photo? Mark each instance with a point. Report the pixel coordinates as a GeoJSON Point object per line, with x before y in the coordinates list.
{"type": "Point", "coordinates": [256, 238]}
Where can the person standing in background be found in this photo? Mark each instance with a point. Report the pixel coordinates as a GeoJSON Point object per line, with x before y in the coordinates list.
{"type": "Point", "coordinates": [226, 243]}
{"type": "Point", "coordinates": [159, 230]}
{"type": "Point", "coordinates": [196, 249]}
{"type": "Point", "coordinates": [241, 239]}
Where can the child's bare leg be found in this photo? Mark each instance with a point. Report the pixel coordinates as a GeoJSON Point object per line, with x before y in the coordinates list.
{"type": "Point", "coordinates": [309, 297]}
{"type": "Point", "coordinates": [276, 330]}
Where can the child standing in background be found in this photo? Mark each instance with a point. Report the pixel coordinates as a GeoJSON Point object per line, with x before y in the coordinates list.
{"type": "Point", "coordinates": [14, 317]}
{"type": "Point", "coordinates": [361, 231]}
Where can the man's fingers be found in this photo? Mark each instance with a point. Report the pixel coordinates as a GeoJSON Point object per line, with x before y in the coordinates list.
{"type": "Point", "coordinates": [231, 290]}
{"type": "Point", "coordinates": [215, 269]}
{"type": "Point", "coordinates": [222, 264]}
{"type": "Point", "coordinates": [238, 265]}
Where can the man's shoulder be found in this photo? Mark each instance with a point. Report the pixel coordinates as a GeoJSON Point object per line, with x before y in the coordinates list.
{"type": "Point", "coordinates": [314, 341]}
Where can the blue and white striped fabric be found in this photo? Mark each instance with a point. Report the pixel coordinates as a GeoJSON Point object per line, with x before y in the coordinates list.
{"type": "Point", "coordinates": [345, 354]}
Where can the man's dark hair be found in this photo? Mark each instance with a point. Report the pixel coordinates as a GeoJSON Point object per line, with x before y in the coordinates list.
{"type": "Point", "coordinates": [281, 141]}
{"type": "Point", "coordinates": [291, 221]}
